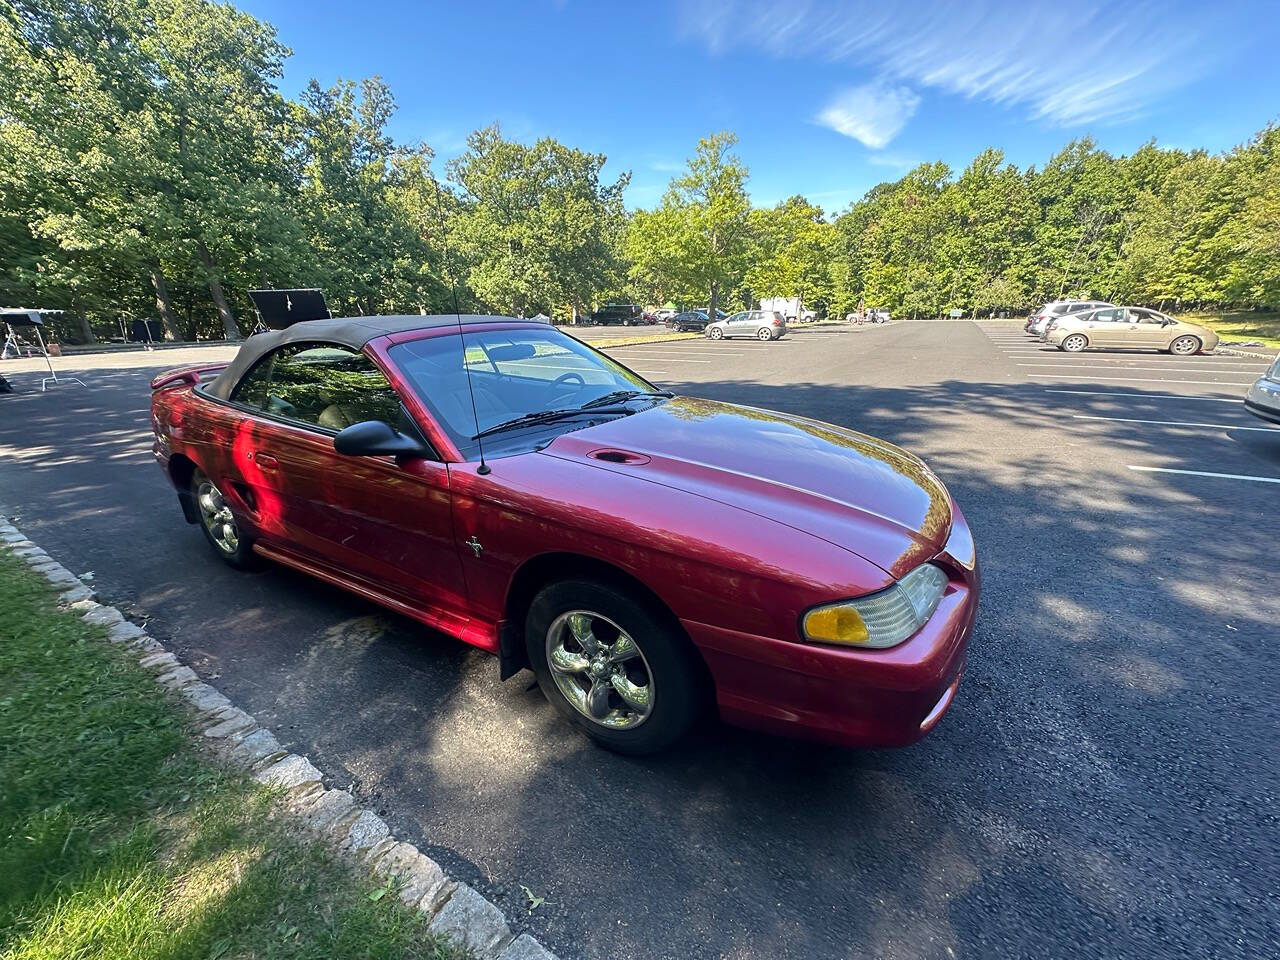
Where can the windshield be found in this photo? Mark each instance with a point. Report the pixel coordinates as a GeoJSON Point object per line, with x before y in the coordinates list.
{"type": "Point", "coordinates": [513, 373]}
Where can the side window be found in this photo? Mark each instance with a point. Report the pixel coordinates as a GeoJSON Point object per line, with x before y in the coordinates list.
{"type": "Point", "coordinates": [320, 385]}
{"type": "Point", "coordinates": [252, 388]}
{"type": "Point", "coordinates": [738, 318]}
{"type": "Point", "coordinates": [1144, 316]}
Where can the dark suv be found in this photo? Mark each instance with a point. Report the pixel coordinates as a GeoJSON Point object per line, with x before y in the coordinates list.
{"type": "Point", "coordinates": [625, 314]}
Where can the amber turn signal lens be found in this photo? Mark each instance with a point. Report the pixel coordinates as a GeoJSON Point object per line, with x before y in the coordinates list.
{"type": "Point", "coordinates": [836, 624]}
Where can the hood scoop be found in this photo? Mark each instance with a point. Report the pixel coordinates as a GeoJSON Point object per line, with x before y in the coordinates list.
{"type": "Point", "coordinates": [611, 455]}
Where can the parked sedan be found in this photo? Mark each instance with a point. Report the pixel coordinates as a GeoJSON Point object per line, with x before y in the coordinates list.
{"type": "Point", "coordinates": [647, 556]}
{"type": "Point", "coordinates": [690, 320]}
{"type": "Point", "coordinates": [1132, 327]}
{"type": "Point", "coordinates": [1263, 398]}
{"type": "Point", "coordinates": [758, 324]}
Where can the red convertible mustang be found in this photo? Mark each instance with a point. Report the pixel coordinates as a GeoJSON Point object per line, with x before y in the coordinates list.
{"type": "Point", "coordinates": [648, 556]}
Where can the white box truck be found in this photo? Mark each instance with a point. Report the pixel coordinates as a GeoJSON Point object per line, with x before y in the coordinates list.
{"type": "Point", "coordinates": [790, 307]}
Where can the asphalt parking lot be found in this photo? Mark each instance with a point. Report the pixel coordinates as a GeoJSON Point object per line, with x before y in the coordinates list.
{"type": "Point", "coordinates": [1104, 786]}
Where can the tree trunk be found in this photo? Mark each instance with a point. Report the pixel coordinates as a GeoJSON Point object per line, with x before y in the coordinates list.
{"type": "Point", "coordinates": [82, 325]}
{"type": "Point", "coordinates": [163, 303]}
{"type": "Point", "coordinates": [715, 298]}
{"type": "Point", "coordinates": [215, 290]}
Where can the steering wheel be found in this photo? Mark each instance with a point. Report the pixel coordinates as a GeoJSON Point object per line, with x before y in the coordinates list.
{"type": "Point", "coordinates": [572, 379]}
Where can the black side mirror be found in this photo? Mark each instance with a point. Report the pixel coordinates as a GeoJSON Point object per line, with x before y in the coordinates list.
{"type": "Point", "coordinates": [373, 438]}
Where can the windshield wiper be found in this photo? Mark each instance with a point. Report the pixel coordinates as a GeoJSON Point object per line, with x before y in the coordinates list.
{"type": "Point", "coordinates": [618, 396]}
{"type": "Point", "coordinates": [546, 416]}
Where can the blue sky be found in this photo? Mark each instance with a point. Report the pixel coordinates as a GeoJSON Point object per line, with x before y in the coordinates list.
{"type": "Point", "coordinates": [828, 99]}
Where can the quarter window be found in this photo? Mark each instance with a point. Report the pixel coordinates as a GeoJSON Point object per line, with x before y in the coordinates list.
{"type": "Point", "coordinates": [320, 385]}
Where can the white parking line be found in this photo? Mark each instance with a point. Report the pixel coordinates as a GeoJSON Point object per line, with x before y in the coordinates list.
{"type": "Point", "coordinates": [1143, 396]}
{"type": "Point", "coordinates": [1179, 423]}
{"type": "Point", "coordinates": [696, 351]}
{"type": "Point", "coordinates": [668, 359]}
{"type": "Point", "coordinates": [1203, 473]}
{"type": "Point", "coordinates": [1084, 376]}
{"type": "Point", "coordinates": [1162, 358]}
{"type": "Point", "coordinates": [1138, 366]}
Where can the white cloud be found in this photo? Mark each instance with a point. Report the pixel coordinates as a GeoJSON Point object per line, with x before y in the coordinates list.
{"type": "Point", "coordinates": [872, 113]}
{"type": "Point", "coordinates": [1065, 63]}
{"type": "Point", "coordinates": [895, 161]}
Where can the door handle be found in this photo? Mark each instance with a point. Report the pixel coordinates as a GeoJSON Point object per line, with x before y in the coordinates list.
{"type": "Point", "coordinates": [268, 462]}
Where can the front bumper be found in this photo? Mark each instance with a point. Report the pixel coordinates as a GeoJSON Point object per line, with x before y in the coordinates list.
{"type": "Point", "coordinates": [844, 696]}
{"type": "Point", "coordinates": [1263, 400]}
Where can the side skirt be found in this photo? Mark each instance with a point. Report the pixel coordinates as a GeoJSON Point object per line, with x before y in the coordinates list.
{"type": "Point", "coordinates": [484, 636]}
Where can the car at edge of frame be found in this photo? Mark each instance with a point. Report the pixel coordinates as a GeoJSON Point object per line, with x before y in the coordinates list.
{"type": "Point", "coordinates": [1263, 398]}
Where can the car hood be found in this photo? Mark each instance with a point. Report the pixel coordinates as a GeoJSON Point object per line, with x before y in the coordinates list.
{"type": "Point", "coordinates": [863, 494]}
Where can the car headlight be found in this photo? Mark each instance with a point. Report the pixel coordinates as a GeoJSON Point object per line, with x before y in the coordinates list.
{"type": "Point", "coordinates": [882, 619]}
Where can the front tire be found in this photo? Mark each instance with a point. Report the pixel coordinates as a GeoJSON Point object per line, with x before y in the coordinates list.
{"type": "Point", "coordinates": [1074, 343]}
{"type": "Point", "coordinates": [1185, 346]}
{"type": "Point", "coordinates": [219, 524]}
{"type": "Point", "coordinates": [715, 333]}
{"type": "Point", "coordinates": [612, 666]}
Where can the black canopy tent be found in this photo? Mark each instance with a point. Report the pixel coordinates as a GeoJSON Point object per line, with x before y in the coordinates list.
{"type": "Point", "coordinates": [16, 317]}
{"type": "Point", "coordinates": [280, 309]}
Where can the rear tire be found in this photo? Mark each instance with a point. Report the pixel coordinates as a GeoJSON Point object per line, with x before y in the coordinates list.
{"type": "Point", "coordinates": [1074, 343]}
{"type": "Point", "coordinates": [764, 333]}
{"type": "Point", "coordinates": [1185, 346]}
{"type": "Point", "coordinates": [662, 674]}
{"type": "Point", "coordinates": [219, 524]}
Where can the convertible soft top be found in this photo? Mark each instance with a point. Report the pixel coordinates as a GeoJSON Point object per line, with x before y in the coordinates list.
{"type": "Point", "coordinates": [353, 332]}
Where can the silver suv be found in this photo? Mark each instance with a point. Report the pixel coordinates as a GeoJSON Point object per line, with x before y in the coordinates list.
{"type": "Point", "coordinates": [1038, 322]}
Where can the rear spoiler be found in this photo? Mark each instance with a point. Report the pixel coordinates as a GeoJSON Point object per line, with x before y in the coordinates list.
{"type": "Point", "coordinates": [191, 375]}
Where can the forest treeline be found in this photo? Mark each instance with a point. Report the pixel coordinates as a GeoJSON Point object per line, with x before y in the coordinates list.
{"type": "Point", "coordinates": [151, 168]}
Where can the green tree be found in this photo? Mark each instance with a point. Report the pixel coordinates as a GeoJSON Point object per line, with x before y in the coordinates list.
{"type": "Point", "coordinates": [790, 253]}
{"type": "Point", "coordinates": [991, 218]}
{"type": "Point", "coordinates": [1083, 196]}
{"type": "Point", "coordinates": [372, 212]}
{"type": "Point", "coordinates": [536, 224]}
{"type": "Point", "coordinates": [695, 242]}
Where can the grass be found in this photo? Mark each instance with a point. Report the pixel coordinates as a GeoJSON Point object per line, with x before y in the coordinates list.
{"type": "Point", "coordinates": [1241, 325]}
{"type": "Point", "coordinates": [118, 839]}
{"type": "Point", "coordinates": [641, 338]}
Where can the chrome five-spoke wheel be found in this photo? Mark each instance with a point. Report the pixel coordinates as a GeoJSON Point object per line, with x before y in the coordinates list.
{"type": "Point", "coordinates": [217, 518]}
{"type": "Point", "coordinates": [600, 669]}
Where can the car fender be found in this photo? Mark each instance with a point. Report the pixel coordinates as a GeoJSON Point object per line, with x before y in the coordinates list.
{"type": "Point", "coordinates": [700, 557]}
